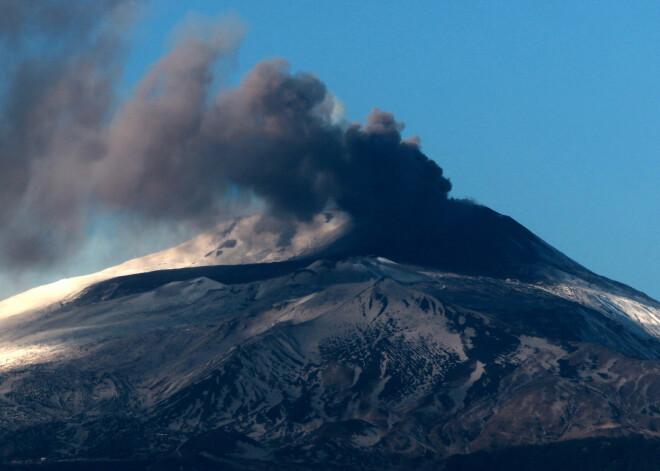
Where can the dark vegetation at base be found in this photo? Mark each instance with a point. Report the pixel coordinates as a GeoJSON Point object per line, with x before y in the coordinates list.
{"type": "Point", "coordinates": [129, 465]}
{"type": "Point", "coordinates": [632, 453]}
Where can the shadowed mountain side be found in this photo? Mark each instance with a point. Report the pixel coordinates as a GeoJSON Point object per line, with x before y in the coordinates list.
{"type": "Point", "coordinates": [461, 237]}
{"type": "Point", "coordinates": [471, 239]}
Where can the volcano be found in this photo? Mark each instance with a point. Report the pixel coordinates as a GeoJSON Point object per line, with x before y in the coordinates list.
{"type": "Point", "coordinates": [470, 344]}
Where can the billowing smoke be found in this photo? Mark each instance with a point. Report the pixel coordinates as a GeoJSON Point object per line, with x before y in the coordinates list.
{"type": "Point", "coordinates": [175, 150]}
{"type": "Point", "coordinates": [60, 59]}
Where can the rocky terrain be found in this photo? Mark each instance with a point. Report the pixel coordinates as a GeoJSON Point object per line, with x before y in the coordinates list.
{"type": "Point", "coordinates": [323, 359]}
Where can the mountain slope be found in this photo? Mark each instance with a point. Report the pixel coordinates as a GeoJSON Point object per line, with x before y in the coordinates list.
{"type": "Point", "coordinates": [237, 241]}
{"type": "Point", "coordinates": [334, 358]}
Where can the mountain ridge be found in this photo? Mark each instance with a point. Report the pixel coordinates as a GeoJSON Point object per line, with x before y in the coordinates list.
{"type": "Point", "coordinates": [353, 356]}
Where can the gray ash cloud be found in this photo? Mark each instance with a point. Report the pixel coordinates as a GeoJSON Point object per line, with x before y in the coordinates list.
{"type": "Point", "coordinates": [60, 61]}
{"type": "Point", "coordinates": [173, 151]}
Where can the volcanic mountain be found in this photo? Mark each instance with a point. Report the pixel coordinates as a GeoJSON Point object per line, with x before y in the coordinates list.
{"type": "Point", "coordinates": [334, 346]}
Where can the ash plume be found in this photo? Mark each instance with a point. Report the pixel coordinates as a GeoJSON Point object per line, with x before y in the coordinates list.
{"type": "Point", "coordinates": [174, 150]}
{"type": "Point", "coordinates": [60, 60]}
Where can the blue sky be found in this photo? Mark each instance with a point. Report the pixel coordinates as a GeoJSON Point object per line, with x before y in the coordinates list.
{"type": "Point", "coordinates": [548, 112]}
{"type": "Point", "coordinates": [545, 111]}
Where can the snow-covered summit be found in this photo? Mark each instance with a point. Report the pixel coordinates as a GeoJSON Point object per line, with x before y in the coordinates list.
{"type": "Point", "coordinates": [236, 241]}
{"type": "Point", "coordinates": [345, 344]}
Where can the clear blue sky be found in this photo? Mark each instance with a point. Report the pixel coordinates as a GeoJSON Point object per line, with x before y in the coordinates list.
{"type": "Point", "coordinates": [548, 112]}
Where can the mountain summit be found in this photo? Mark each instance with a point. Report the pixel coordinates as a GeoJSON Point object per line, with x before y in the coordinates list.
{"type": "Point", "coordinates": [324, 345]}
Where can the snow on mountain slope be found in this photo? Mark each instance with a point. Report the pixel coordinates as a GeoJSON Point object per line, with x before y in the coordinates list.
{"type": "Point", "coordinates": [334, 357]}
{"type": "Point", "coordinates": [627, 309]}
{"type": "Point", "coordinates": [207, 351]}
{"type": "Point", "coordinates": [237, 241]}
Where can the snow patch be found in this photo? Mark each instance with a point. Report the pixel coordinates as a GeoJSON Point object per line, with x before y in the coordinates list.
{"type": "Point", "coordinates": [458, 394]}
{"type": "Point", "coordinates": [241, 242]}
{"type": "Point", "coordinates": [613, 306]}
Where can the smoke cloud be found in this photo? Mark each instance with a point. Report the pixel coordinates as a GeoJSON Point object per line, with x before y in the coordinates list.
{"type": "Point", "coordinates": [60, 60]}
{"type": "Point", "coordinates": [175, 150]}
